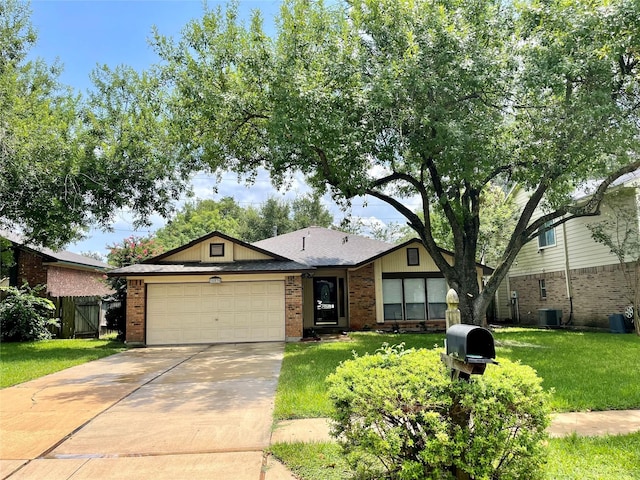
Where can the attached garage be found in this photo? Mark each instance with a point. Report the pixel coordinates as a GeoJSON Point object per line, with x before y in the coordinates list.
{"type": "Point", "coordinates": [230, 312]}
{"type": "Point", "coordinates": [216, 289]}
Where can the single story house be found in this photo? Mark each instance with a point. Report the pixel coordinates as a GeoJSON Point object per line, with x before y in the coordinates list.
{"type": "Point", "coordinates": [75, 283]}
{"type": "Point", "coordinates": [64, 274]}
{"type": "Point", "coordinates": [220, 289]}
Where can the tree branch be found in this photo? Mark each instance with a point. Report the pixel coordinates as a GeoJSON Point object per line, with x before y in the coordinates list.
{"type": "Point", "coordinates": [444, 202]}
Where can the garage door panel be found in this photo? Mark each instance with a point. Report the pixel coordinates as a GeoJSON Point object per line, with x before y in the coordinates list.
{"type": "Point", "coordinates": [163, 336]}
{"type": "Point", "coordinates": [226, 303]}
{"type": "Point", "coordinates": [205, 313]}
{"type": "Point", "coordinates": [156, 306]}
{"type": "Point", "coordinates": [275, 304]}
{"type": "Point", "coordinates": [189, 305]}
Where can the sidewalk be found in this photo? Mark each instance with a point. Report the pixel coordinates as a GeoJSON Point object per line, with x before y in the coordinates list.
{"type": "Point", "coordinates": [615, 422]}
{"type": "Point", "coordinates": [585, 424]}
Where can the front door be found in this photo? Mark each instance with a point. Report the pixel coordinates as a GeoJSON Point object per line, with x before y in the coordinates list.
{"type": "Point", "coordinates": [325, 300]}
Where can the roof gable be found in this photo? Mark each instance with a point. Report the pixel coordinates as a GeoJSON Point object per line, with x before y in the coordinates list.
{"type": "Point", "coordinates": [215, 247]}
{"type": "Point", "coordinates": [447, 254]}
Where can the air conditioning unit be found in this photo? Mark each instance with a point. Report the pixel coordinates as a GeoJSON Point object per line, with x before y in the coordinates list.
{"type": "Point", "coordinates": [549, 317]}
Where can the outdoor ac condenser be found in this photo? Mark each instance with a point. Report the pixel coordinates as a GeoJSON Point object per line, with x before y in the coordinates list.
{"type": "Point", "coordinates": [549, 317]}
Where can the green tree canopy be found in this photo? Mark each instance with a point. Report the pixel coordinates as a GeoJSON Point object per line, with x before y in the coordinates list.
{"type": "Point", "coordinates": [250, 224]}
{"type": "Point", "coordinates": [67, 164]}
{"type": "Point", "coordinates": [498, 215]}
{"type": "Point", "coordinates": [199, 218]}
{"type": "Point", "coordinates": [398, 98]}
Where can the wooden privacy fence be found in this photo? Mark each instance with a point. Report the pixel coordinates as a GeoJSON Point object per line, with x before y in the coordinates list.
{"type": "Point", "coordinates": [80, 317]}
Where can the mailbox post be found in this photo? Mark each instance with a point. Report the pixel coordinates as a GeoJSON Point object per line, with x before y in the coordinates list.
{"type": "Point", "coordinates": [468, 350]}
{"type": "Point", "coordinates": [452, 315]}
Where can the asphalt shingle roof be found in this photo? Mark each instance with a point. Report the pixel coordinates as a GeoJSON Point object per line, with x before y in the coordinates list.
{"type": "Point", "coordinates": [322, 247]}
{"type": "Point", "coordinates": [60, 256]}
{"type": "Point", "coordinates": [197, 268]}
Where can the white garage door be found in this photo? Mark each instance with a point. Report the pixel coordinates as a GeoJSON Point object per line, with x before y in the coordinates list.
{"type": "Point", "coordinates": [184, 313]}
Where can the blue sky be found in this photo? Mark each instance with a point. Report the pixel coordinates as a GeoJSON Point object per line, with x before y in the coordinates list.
{"type": "Point", "coordinates": [84, 34]}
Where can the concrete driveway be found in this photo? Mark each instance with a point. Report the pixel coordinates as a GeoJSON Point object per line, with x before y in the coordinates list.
{"type": "Point", "coordinates": [200, 412]}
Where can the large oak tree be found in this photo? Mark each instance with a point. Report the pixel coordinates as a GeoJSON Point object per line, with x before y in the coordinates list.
{"type": "Point", "coordinates": [431, 98]}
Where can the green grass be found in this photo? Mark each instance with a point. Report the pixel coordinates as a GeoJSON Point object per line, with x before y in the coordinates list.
{"type": "Point", "coordinates": [595, 458]}
{"type": "Point", "coordinates": [587, 371]}
{"type": "Point", "coordinates": [301, 388]}
{"type": "Point", "coordinates": [312, 461]}
{"type": "Point", "coordinates": [20, 362]}
{"type": "Point", "coordinates": [570, 458]}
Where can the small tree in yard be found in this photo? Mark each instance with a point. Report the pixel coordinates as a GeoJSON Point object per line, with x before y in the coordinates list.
{"type": "Point", "coordinates": [619, 232]}
{"type": "Point", "coordinates": [24, 316]}
{"type": "Point", "coordinates": [398, 415]}
{"type": "Point", "coordinates": [130, 251]}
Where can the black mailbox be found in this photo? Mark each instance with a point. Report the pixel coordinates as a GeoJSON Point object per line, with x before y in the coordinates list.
{"type": "Point", "coordinates": [469, 349]}
{"type": "Point", "coordinates": [470, 344]}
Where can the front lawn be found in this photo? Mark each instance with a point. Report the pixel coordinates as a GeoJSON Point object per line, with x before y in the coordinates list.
{"type": "Point", "coordinates": [588, 371]}
{"type": "Point", "coordinates": [569, 458]}
{"type": "Point", "coordinates": [23, 361]}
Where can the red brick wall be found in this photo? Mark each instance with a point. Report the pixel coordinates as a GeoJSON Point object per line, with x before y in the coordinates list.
{"type": "Point", "coordinates": [293, 307]}
{"type": "Point", "coordinates": [67, 282]}
{"type": "Point", "coordinates": [597, 293]}
{"type": "Point", "coordinates": [31, 269]}
{"type": "Point", "coordinates": [60, 281]}
{"type": "Point", "coordinates": [362, 298]}
{"type": "Point", "coordinates": [136, 311]}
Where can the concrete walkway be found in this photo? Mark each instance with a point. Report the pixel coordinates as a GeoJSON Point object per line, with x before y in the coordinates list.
{"type": "Point", "coordinates": [562, 424]}
{"type": "Point", "coordinates": [163, 413]}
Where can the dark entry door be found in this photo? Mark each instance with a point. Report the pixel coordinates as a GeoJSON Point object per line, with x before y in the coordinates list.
{"type": "Point", "coordinates": [325, 300]}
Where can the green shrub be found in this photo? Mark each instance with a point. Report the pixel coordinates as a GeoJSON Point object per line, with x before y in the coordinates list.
{"type": "Point", "coordinates": [24, 316]}
{"type": "Point", "coordinates": [116, 318]}
{"type": "Point", "coordinates": [398, 415]}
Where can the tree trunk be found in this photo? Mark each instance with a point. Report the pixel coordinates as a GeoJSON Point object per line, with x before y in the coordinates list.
{"type": "Point", "coordinates": [472, 308]}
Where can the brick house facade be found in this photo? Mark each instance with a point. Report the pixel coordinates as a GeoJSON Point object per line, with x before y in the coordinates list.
{"type": "Point", "coordinates": [597, 293]}
{"type": "Point", "coordinates": [565, 269]}
{"type": "Point", "coordinates": [362, 297]}
{"type": "Point", "coordinates": [220, 289]}
{"type": "Point", "coordinates": [30, 269]}
{"type": "Point", "coordinates": [62, 273]}
{"type": "Point", "coordinates": [136, 312]}
{"type": "Point", "coordinates": [293, 306]}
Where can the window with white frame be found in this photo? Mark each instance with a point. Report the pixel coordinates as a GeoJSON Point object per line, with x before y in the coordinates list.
{"type": "Point", "coordinates": [547, 237]}
{"type": "Point", "coordinates": [542, 285]}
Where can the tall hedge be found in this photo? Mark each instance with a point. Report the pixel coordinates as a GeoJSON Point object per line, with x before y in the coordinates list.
{"type": "Point", "coordinates": [399, 415]}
